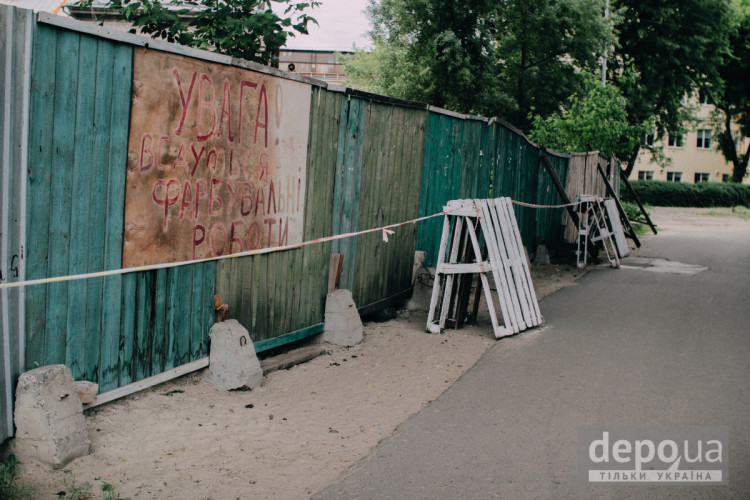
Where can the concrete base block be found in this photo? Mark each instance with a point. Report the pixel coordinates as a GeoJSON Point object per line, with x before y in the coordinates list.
{"type": "Point", "coordinates": [50, 426]}
{"type": "Point", "coordinates": [419, 258]}
{"type": "Point", "coordinates": [541, 256]}
{"type": "Point", "coordinates": [87, 391]}
{"type": "Point", "coordinates": [343, 325]}
{"type": "Point", "coordinates": [232, 360]}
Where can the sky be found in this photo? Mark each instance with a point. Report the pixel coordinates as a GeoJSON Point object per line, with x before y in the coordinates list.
{"type": "Point", "coordinates": [343, 24]}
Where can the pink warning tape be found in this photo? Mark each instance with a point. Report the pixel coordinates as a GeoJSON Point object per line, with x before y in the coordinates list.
{"type": "Point", "coordinates": [385, 231]}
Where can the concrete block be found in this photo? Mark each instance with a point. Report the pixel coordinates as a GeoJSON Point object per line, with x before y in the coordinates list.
{"type": "Point", "coordinates": [232, 360]}
{"type": "Point", "coordinates": [541, 256]}
{"type": "Point", "coordinates": [419, 258]}
{"type": "Point", "coordinates": [87, 391]}
{"type": "Point", "coordinates": [50, 426]}
{"type": "Point", "coordinates": [343, 325]}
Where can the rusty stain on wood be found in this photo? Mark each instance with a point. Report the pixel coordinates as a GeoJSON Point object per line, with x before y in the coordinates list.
{"type": "Point", "coordinates": [216, 160]}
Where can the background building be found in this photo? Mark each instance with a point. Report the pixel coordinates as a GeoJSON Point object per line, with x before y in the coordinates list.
{"type": "Point", "coordinates": [694, 155]}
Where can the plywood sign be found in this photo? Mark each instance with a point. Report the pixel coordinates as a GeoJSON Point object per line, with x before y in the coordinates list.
{"type": "Point", "coordinates": [216, 160]}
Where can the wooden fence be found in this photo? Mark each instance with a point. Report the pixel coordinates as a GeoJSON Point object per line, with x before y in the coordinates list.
{"type": "Point", "coordinates": [72, 169]}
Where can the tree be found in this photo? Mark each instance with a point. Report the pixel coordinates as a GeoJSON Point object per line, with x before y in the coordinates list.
{"type": "Point", "coordinates": [247, 29]}
{"type": "Point", "coordinates": [594, 119]}
{"type": "Point", "coordinates": [435, 51]}
{"type": "Point", "coordinates": [675, 49]}
{"type": "Point", "coordinates": [540, 46]}
{"type": "Point", "coordinates": [481, 56]}
{"type": "Point", "coordinates": [732, 100]}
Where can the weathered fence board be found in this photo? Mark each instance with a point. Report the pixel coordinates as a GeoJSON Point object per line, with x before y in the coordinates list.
{"type": "Point", "coordinates": [367, 158]}
{"type": "Point", "coordinates": [79, 108]}
{"type": "Point", "coordinates": [283, 293]}
{"type": "Point", "coordinates": [391, 172]}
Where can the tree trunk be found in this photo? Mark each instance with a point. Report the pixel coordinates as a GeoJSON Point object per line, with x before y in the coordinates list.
{"type": "Point", "coordinates": [632, 159]}
{"type": "Point", "coordinates": [739, 169]}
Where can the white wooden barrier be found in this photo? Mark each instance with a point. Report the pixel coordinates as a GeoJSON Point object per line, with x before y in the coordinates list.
{"type": "Point", "coordinates": [506, 260]}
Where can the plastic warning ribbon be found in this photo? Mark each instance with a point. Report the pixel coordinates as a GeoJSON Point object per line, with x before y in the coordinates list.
{"type": "Point", "coordinates": [385, 230]}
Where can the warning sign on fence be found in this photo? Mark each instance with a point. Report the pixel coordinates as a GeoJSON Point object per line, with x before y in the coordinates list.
{"type": "Point", "coordinates": [216, 160]}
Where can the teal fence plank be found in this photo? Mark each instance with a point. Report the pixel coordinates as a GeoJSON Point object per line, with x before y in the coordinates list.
{"type": "Point", "coordinates": [349, 172]}
{"type": "Point", "coordinates": [118, 325]}
{"type": "Point", "coordinates": [41, 147]}
{"type": "Point", "coordinates": [82, 337]}
{"type": "Point", "coordinates": [63, 133]}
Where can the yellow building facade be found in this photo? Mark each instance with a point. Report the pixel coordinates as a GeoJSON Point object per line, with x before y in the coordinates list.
{"type": "Point", "coordinates": [694, 156]}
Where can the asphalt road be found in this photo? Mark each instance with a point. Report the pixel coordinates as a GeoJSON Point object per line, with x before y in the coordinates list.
{"type": "Point", "coordinates": [624, 348]}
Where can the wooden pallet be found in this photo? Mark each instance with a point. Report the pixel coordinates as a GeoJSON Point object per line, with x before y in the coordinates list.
{"type": "Point", "coordinates": [467, 222]}
{"type": "Point", "coordinates": [615, 225]}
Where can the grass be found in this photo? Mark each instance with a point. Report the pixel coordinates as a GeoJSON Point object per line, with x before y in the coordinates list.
{"type": "Point", "coordinates": [84, 491]}
{"type": "Point", "coordinates": [10, 488]}
{"type": "Point", "coordinates": [641, 229]}
{"type": "Point", "coordinates": [741, 212]}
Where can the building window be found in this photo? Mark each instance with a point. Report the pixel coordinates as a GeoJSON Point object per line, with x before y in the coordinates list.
{"type": "Point", "coordinates": [700, 177]}
{"type": "Point", "coordinates": [645, 175]}
{"type": "Point", "coordinates": [676, 141]}
{"type": "Point", "coordinates": [649, 139]}
{"type": "Point", "coordinates": [674, 176]}
{"type": "Point", "coordinates": [704, 139]}
{"type": "Point", "coordinates": [725, 177]}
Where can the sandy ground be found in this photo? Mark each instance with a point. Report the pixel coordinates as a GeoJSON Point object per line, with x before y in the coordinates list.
{"type": "Point", "coordinates": [291, 437]}
{"type": "Point", "coordinates": [302, 429]}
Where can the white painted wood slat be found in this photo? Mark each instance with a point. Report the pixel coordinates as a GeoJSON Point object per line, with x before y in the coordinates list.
{"type": "Point", "coordinates": [506, 261]}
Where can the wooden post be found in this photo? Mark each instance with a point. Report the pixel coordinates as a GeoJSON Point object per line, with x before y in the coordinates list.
{"type": "Point", "coordinates": [623, 215]}
{"type": "Point", "coordinates": [560, 188]}
{"type": "Point", "coordinates": [624, 179]}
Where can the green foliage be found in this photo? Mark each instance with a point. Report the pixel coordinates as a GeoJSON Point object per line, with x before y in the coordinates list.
{"type": "Point", "coordinates": [674, 48]}
{"type": "Point", "coordinates": [480, 56]}
{"type": "Point", "coordinates": [435, 51]}
{"type": "Point", "coordinates": [732, 98]}
{"type": "Point", "coordinates": [596, 119]}
{"type": "Point", "coordinates": [10, 488]}
{"type": "Point", "coordinates": [248, 29]}
{"type": "Point", "coordinates": [633, 211]}
{"type": "Point", "coordinates": [681, 194]}
{"type": "Point", "coordinates": [76, 490]}
{"type": "Point", "coordinates": [539, 46]}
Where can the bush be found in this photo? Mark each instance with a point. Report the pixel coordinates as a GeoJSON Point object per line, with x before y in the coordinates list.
{"type": "Point", "coordinates": [680, 194]}
{"type": "Point", "coordinates": [632, 210]}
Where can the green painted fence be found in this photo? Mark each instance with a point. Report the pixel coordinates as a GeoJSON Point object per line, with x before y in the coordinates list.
{"type": "Point", "coordinates": [113, 330]}
{"type": "Point", "coordinates": [467, 157]}
{"type": "Point", "coordinates": [280, 297]}
{"type": "Point", "coordinates": [371, 161]}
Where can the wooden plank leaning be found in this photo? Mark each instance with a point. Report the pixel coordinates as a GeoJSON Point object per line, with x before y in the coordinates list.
{"type": "Point", "coordinates": [505, 259]}
{"type": "Point", "coordinates": [560, 188]}
{"type": "Point", "coordinates": [625, 180]}
{"type": "Point", "coordinates": [523, 270]}
{"type": "Point", "coordinates": [623, 216]}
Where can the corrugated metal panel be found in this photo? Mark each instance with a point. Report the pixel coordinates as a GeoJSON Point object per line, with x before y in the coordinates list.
{"type": "Point", "coordinates": [391, 176]}
{"type": "Point", "coordinates": [16, 28]}
{"type": "Point", "coordinates": [284, 293]}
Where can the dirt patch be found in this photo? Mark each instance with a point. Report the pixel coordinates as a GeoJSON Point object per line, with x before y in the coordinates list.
{"type": "Point", "coordinates": [291, 437]}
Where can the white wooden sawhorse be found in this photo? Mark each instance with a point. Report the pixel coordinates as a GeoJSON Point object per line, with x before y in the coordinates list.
{"type": "Point", "coordinates": [592, 226]}
{"type": "Point", "coordinates": [506, 261]}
